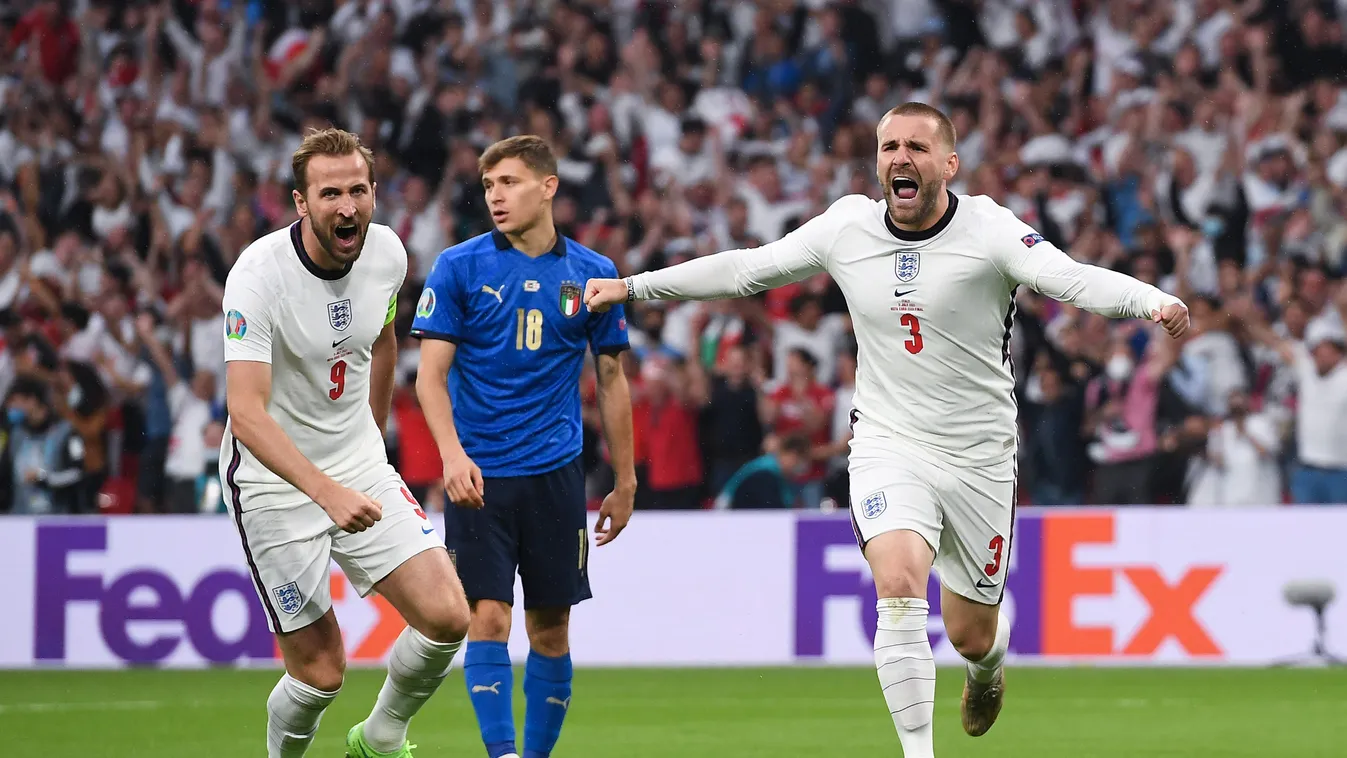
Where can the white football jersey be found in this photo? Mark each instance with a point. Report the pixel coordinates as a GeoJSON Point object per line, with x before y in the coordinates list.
{"type": "Point", "coordinates": [931, 310]}
{"type": "Point", "coordinates": [317, 329]}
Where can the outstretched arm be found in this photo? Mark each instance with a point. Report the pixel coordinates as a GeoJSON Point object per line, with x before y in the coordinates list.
{"type": "Point", "coordinates": [734, 273]}
{"type": "Point", "coordinates": [1024, 257]}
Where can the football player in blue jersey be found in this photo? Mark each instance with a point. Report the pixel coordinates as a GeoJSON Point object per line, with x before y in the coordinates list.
{"type": "Point", "coordinates": [504, 337]}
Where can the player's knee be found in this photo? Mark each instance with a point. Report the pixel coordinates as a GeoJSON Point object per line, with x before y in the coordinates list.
{"type": "Point", "coordinates": [325, 674]}
{"type": "Point", "coordinates": [549, 631]}
{"type": "Point", "coordinates": [972, 639]}
{"type": "Point", "coordinates": [449, 624]}
{"type": "Point", "coordinates": [490, 621]}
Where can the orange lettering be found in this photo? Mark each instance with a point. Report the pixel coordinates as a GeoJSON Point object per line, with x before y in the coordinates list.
{"type": "Point", "coordinates": [1063, 581]}
{"type": "Point", "coordinates": [1172, 610]}
{"type": "Point", "coordinates": [385, 632]}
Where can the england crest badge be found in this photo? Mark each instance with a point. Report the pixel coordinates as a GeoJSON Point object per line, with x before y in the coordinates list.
{"type": "Point", "coordinates": [874, 505]}
{"type": "Point", "coordinates": [339, 314]}
{"type": "Point", "coordinates": [570, 299]}
{"type": "Point", "coordinates": [288, 598]}
{"type": "Point", "coordinates": [906, 266]}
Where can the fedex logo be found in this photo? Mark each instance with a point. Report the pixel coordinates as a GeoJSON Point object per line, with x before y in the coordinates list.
{"type": "Point", "coordinates": [145, 615]}
{"type": "Point", "coordinates": [159, 600]}
{"type": "Point", "coordinates": [1170, 605]}
{"type": "Point", "coordinates": [1062, 604]}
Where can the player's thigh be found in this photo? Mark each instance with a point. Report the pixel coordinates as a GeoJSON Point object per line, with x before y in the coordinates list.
{"type": "Point", "coordinates": [315, 654]}
{"type": "Point", "coordinates": [289, 552]}
{"type": "Point", "coordinates": [554, 540]}
{"type": "Point", "coordinates": [401, 533]}
{"type": "Point", "coordinates": [979, 514]}
{"type": "Point", "coordinates": [425, 590]}
{"type": "Point", "coordinates": [484, 542]}
{"type": "Point", "coordinates": [896, 518]}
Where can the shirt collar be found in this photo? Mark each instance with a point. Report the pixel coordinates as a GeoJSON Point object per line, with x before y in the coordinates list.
{"type": "Point", "coordinates": [503, 243]}
{"type": "Point", "coordinates": [924, 234]}
{"type": "Point", "coordinates": [297, 237]}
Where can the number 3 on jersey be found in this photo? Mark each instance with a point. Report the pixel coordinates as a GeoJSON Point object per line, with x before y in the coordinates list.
{"type": "Point", "coordinates": [913, 343]}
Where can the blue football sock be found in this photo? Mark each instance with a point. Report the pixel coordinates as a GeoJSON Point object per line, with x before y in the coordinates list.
{"type": "Point", "coordinates": [547, 697]}
{"type": "Point", "coordinates": [490, 680]}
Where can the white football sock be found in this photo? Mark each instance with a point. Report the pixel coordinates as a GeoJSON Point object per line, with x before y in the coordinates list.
{"type": "Point", "coordinates": [293, 712]}
{"type": "Point", "coordinates": [984, 670]}
{"type": "Point", "coordinates": [416, 666]}
{"type": "Point", "coordinates": [907, 672]}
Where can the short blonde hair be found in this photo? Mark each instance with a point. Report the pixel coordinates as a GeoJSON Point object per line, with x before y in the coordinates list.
{"type": "Point", "coordinates": [329, 142]}
{"type": "Point", "coordinates": [529, 148]}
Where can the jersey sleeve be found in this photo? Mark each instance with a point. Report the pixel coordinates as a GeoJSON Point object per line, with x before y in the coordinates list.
{"type": "Point", "coordinates": [1024, 257]}
{"type": "Point", "coordinates": [608, 330]}
{"type": "Point", "coordinates": [249, 316]}
{"type": "Point", "coordinates": [739, 273]}
{"type": "Point", "coordinates": [399, 277]}
{"type": "Point", "coordinates": [439, 312]}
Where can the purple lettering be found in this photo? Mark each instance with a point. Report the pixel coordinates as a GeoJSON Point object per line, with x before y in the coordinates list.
{"type": "Point", "coordinates": [118, 612]}
{"type": "Point", "coordinates": [55, 587]}
{"type": "Point", "coordinates": [815, 583]}
{"type": "Point", "coordinates": [256, 641]}
{"type": "Point", "coordinates": [145, 594]}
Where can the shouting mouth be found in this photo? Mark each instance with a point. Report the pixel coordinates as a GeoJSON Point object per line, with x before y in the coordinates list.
{"type": "Point", "coordinates": [904, 188]}
{"type": "Point", "coordinates": [347, 232]}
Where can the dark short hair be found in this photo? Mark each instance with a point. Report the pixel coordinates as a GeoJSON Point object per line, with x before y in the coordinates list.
{"type": "Point", "coordinates": [795, 443]}
{"type": "Point", "coordinates": [27, 386]}
{"type": "Point", "coordinates": [806, 356]}
{"type": "Point", "coordinates": [76, 314]}
{"type": "Point", "coordinates": [529, 148]}
{"type": "Point", "coordinates": [334, 143]}
{"type": "Point", "coordinates": [943, 125]}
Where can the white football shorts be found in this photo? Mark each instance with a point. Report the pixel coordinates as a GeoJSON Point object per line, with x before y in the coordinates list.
{"type": "Point", "coordinates": [966, 515]}
{"type": "Point", "coordinates": [290, 550]}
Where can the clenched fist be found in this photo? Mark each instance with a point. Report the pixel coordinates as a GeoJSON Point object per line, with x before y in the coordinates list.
{"type": "Point", "coordinates": [351, 510]}
{"type": "Point", "coordinates": [1173, 317]}
{"type": "Point", "coordinates": [602, 294]}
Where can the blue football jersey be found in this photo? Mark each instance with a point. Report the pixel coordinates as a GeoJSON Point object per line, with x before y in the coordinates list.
{"type": "Point", "coordinates": [522, 331]}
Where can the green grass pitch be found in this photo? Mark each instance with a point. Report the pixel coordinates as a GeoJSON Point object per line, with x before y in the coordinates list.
{"type": "Point", "coordinates": [699, 713]}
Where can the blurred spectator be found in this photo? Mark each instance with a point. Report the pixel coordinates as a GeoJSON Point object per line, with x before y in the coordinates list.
{"type": "Point", "coordinates": [1241, 459]}
{"type": "Point", "coordinates": [1053, 415]}
{"type": "Point", "coordinates": [47, 454]}
{"type": "Point", "coordinates": [768, 480]}
{"type": "Point", "coordinates": [1121, 408]}
{"type": "Point", "coordinates": [670, 397]}
{"type": "Point", "coordinates": [732, 428]}
{"type": "Point", "coordinates": [802, 405]}
{"type": "Point", "coordinates": [810, 329]}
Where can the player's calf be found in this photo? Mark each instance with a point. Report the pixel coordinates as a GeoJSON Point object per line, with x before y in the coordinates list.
{"type": "Point", "coordinates": [547, 679]}
{"type": "Point", "coordinates": [426, 592]}
{"type": "Point", "coordinates": [900, 561]}
{"type": "Point", "coordinates": [294, 711]}
{"type": "Point", "coordinates": [981, 634]}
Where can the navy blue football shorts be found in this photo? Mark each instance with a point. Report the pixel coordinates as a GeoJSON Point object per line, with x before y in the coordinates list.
{"type": "Point", "coordinates": [535, 525]}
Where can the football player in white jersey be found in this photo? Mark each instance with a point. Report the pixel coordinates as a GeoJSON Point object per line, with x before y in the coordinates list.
{"type": "Point", "coordinates": [930, 280]}
{"type": "Point", "coordinates": [310, 354]}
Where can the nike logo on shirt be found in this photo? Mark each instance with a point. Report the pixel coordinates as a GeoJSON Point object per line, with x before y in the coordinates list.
{"type": "Point", "coordinates": [903, 293]}
{"type": "Point", "coordinates": [335, 343]}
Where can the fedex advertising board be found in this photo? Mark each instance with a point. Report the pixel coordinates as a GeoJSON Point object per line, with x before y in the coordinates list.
{"type": "Point", "coordinates": [1133, 586]}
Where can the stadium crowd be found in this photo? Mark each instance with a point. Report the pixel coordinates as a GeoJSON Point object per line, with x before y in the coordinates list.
{"type": "Point", "coordinates": [1200, 145]}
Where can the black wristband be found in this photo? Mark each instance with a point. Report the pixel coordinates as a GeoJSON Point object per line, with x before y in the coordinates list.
{"type": "Point", "coordinates": [631, 290]}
